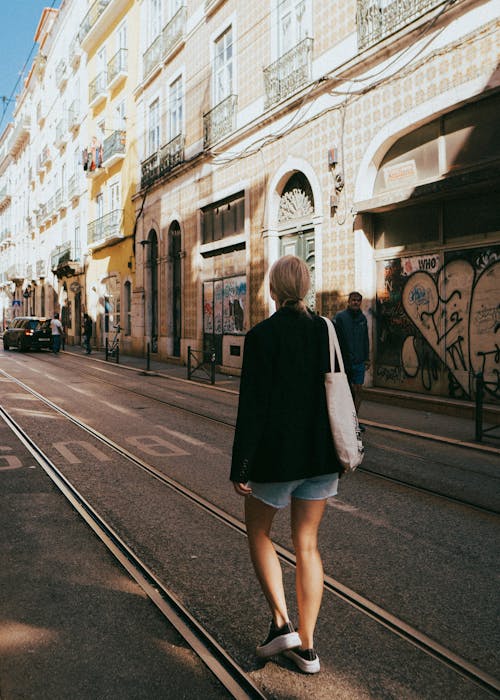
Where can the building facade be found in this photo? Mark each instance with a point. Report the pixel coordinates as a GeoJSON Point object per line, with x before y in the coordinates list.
{"type": "Point", "coordinates": [359, 135]}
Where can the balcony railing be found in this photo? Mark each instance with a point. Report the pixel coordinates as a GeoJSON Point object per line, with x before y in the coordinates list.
{"type": "Point", "coordinates": [91, 17]}
{"type": "Point", "coordinates": [44, 159]}
{"type": "Point", "coordinates": [74, 116]}
{"type": "Point", "coordinates": [59, 199]}
{"type": "Point", "coordinates": [220, 121]}
{"type": "Point", "coordinates": [117, 68]}
{"type": "Point", "coordinates": [107, 226]}
{"type": "Point", "coordinates": [61, 133]}
{"type": "Point", "coordinates": [74, 54]}
{"type": "Point", "coordinates": [74, 186]}
{"type": "Point", "coordinates": [289, 73]}
{"type": "Point", "coordinates": [152, 55]}
{"type": "Point", "coordinates": [377, 19]}
{"type": "Point", "coordinates": [162, 161]}
{"type": "Point", "coordinates": [98, 89]}
{"type": "Point", "coordinates": [61, 74]}
{"type": "Point", "coordinates": [174, 32]}
{"type": "Point", "coordinates": [60, 255]}
{"type": "Point", "coordinates": [40, 268]}
{"type": "Point", "coordinates": [16, 272]}
{"type": "Point", "coordinates": [113, 148]}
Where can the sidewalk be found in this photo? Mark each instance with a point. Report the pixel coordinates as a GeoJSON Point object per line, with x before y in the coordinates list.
{"type": "Point", "coordinates": [444, 418]}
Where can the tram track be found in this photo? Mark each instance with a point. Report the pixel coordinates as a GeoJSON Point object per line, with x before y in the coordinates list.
{"type": "Point", "coordinates": [362, 469]}
{"type": "Point", "coordinates": [224, 668]}
{"type": "Point", "coordinates": [397, 626]}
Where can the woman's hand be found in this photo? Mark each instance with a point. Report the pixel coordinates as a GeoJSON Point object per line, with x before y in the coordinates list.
{"type": "Point", "coordinates": [242, 489]}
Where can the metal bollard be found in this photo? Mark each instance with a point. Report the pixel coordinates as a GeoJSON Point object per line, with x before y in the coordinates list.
{"type": "Point", "coordinates": [106, 350]}
{"type": "Point", "coordinates": [189, 362]}
{"type": "Point", "coordinates": [118, 353]}
{"type": "Point", "coordinates": [479, 406]}
{"type": "Point", "coordinates": [212, 368]}
{"type": "Point", "coordinates": [148, 357]}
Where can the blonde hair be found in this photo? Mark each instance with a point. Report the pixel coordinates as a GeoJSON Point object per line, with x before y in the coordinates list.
{"type": "Point", "coordinates": [290, 281]}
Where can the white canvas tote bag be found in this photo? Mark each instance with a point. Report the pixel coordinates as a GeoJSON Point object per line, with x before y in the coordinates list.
{"type": "Point", "coordinates": [341, 411]}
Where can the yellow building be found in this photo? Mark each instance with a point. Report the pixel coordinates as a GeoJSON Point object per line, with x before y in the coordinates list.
{"type": "Point", "coordinates": [109, 38]}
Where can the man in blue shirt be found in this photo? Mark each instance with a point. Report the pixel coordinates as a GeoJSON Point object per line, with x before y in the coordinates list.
{"type": "Point", "coordinates": [352, 331]}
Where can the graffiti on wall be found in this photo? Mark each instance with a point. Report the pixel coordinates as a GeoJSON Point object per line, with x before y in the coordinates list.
{"type": "Point", "coordinates": [438, 323]}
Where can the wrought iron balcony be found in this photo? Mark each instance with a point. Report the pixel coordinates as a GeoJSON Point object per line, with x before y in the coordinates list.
{"type": "Point", "coordinates": [117, 68]}
{"type": "Point", "coordinates": [377, 19]}
{"type": "Point", "coordinates": [220, 121]}
{"type": "Point", "coordinates": [59, 199]}
{"type": "Point", "coordinates": [74, 186]}
{"type": "Point", "coordinates": [74, 116]}
{"type": "Point", "coordinates": [44, 159]}
{"type": "Point", "coordinates": [74, 54]}
{"type": "Point", "coordinates": [60, 255]}
{"type": "Point", "coordinates": [163, 161]}
{"type": "Point", "coordinates": [16, 272]}
{"type": "Point", "coordinates": [61, 137]}
{"type": "Point", "coordinates": [61, 74]}
{"type": "Point", "coordinates": [152, 55]}
{"type": "Point", "coordinates": [174, 32]}
{"type": "Point", "coordinates": [289, 73]}
{"type": "Point", "coordinates": [113, 148]}
{"type": "Point", "coordinates": [98, 89]}
{"type": "Point", "coordinates": [40, 268]}
{"type": "Point", "coordinates": [96, 10]}
{"type": "Point", "coordinates": [105, 228]}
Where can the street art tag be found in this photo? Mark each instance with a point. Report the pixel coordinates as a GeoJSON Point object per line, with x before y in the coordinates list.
{"type": "Point", "coordinates": [458, 316]}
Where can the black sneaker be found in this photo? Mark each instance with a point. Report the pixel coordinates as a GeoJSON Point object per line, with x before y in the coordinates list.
{"type": "Point", "coordinates": [279, 639]}
{"type": "Point", "coordinates": [362, 428]}
{"type": "Point", "coordinates": [305, 659]}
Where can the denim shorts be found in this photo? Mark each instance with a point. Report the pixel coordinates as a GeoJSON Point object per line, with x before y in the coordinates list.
{"type": "Point", "coordinates": [278, 493]}
{"type": "Point", "coordinates": [357, 373]}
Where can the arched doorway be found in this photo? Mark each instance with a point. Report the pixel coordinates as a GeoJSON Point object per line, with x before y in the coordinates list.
{"type": "Point", "coordinates": [296, 210]}
{"type": "Point", "coordinates": [174, 242]}
{"type": "Point", "coordinates": [152, 290]}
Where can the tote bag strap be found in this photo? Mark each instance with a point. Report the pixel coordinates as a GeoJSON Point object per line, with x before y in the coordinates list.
{"type": "Point", "coordinates": [334, 346]}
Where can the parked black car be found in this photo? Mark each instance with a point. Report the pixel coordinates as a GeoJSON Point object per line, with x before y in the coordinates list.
{"type": "Point", "coordinates": [28, 333]}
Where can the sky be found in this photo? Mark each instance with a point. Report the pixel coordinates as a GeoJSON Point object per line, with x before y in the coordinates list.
{"type": "Point", "coordinates": [17, 31]}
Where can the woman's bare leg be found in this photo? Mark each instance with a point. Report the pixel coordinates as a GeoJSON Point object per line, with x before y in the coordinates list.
{"type": "Point", "coordinates": [306, 518]}
{"type": "Point", "coordinates": [259, 518]}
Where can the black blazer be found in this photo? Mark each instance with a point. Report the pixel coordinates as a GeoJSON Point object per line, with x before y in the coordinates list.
{"type": "Point", "coordinates": [282, 429]}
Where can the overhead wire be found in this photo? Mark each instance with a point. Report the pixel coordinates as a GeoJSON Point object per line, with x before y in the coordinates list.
{"type": "Point", "coordinates": [11, 98]}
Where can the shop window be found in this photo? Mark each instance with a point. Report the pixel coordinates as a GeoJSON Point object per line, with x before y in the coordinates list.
{"type": "Point", "coordinates": [223, 219]}
{"type": "Point", "coordinates": [409, 226]}
{"type": "Point", "coordinates": [471, 133]}
{"type": "Point", "coordinates": [473, 215]}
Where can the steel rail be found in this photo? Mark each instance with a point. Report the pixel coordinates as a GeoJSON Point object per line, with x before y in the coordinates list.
{"type": "Point", "coordinates": [374, 424]}
{"type": "Point", "coordinates": [220, 663]}
{"type": "Point", "coordinates": [365, 470]}
{"type": "Point", "coordinates": [391, 622]}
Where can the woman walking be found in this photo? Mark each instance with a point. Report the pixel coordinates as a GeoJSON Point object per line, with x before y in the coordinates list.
{"type": "Point", "coordinates": [283, 451]}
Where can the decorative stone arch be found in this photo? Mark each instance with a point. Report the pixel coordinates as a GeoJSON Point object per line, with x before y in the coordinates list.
{"type": "Point", "coordinates": [295, 203]}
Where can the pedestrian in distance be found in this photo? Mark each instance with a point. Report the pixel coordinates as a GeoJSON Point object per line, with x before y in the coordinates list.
{"type": "Point", "coordinates": [87, 333]}
{"type": "Point", "coordinates": [352, 332]}
{"type": "Point", "coordinates": [283, 453]}
{"type": "Point", "coordinates": [57, 331]}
